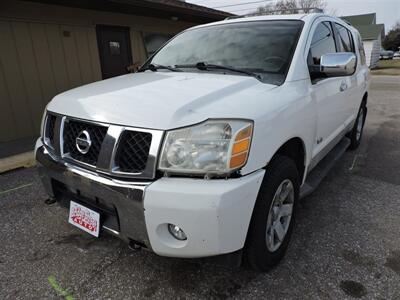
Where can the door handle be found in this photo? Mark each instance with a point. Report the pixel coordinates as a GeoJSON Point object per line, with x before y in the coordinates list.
{"type": "Point", "coordinates": [343, 86]}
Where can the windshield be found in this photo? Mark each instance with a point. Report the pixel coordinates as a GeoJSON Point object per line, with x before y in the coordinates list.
{"type": "Point", "coordinates": [263, 47]}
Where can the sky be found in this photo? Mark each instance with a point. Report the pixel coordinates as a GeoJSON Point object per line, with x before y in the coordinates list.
{"type": "Point", "coordinates": [387, 11]}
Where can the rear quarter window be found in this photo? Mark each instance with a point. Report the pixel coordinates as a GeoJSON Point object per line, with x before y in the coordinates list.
{"type": "Point", "coordinates": [361, 50]}
{"type": "Point", "coordinates": [345, 39]}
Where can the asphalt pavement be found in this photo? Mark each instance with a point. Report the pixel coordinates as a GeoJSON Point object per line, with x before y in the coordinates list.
{"type": "Point", "coordinates": [346, 243]}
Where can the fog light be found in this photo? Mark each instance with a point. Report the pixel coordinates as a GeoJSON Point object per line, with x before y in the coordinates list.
{"type": "Point", "coordinates": [177, 232]}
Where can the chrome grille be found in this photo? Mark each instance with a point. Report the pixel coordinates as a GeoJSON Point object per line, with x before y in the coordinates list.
{"type": "Point", "coordinates": [50, 129]}
{"type": "Point", "coordinates": [72, 129]}
{"type": "Point", "coordinates": [133, 151]}
{"type": "Point", "coordinates": [119, 151]}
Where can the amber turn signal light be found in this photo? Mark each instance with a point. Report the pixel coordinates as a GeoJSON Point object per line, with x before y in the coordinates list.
{"type": "Point", "coordinates": [241, 147]}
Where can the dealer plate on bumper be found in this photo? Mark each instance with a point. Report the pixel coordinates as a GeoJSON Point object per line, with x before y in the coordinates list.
{"type": "Point", "coordinates": [84, 218]}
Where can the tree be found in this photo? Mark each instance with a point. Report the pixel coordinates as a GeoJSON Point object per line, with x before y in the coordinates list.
{"type": "Point", "coordinates": [307, 5]}
{"type": "Point", "coordinates": [291, 6]}
{"type": "Point", "coordinates": [392, 39]}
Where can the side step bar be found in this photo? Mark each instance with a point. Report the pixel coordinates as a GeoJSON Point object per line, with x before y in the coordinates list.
{"type": "Point", "coordinates": [315, 177]}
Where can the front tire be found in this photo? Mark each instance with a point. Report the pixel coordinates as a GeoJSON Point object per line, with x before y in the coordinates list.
{"type": "Point", "coordinates": [273, 217]}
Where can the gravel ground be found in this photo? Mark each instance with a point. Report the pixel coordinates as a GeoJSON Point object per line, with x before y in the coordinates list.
{"type": "Point", "coordinates": [346, 243]}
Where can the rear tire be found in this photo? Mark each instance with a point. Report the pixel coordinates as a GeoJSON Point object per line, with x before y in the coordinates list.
{"type": "Point", "coordinates": [270, 229]}
{"type": "Point", "coordinates": [358, 128]}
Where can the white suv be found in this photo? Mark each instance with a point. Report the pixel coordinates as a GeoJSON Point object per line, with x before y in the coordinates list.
{"type": "Point", "coordinates": [208, 149]}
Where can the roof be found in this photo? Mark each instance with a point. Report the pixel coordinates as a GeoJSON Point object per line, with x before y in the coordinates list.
{"type": "Point", "coordinates": [370, 32]}
{"type": "Point", "coordinates": [366, 25]}
{"type": "Point", "coordinates": [178, 5]}
{"type": "Point", "coordinates": [194, 7]}
{"type": "Point", "coordinates": [167, 9]}
{"type": "Point", "coordinates": [366, 19]}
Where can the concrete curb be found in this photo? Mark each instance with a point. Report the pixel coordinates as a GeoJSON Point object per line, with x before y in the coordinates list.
{"type": "Point", "coordinates": [23, 160]}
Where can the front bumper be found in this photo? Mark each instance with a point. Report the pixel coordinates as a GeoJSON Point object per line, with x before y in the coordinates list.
{"type": "Point", "coordinates": [214, 214]}
{"type": "Point", "coordinates": [120, 202]}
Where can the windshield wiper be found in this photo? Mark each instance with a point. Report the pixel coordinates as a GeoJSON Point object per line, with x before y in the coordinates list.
{"type": "Point", "coordinates": [205, 66]}
{"type": "Point", "coordinates": [155, 68]}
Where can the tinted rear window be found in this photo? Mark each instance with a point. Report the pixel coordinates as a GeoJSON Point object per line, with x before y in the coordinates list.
{"type": "Point", "coordinates": [345, 39]}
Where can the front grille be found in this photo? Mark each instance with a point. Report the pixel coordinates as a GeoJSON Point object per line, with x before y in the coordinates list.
{"type": "Point", "coordinates": [127, 152]}
{"type": "Point", "coordinates": [133, 151]}
{"type": "Point", "coordinates": [50, 129]}
{"type": "Point", "coordinates": [72, 130]}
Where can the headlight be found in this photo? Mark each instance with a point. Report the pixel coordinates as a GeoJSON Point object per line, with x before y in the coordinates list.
{"type": "Point", "coordinates": [212, 147]}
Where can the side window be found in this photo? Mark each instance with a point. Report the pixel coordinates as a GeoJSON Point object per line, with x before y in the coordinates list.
{"type": "Point", "coordinates": [322, 43]}
{"type": "Point", "coordinates": [345, 39]}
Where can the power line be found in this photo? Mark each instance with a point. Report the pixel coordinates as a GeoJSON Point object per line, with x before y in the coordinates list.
{"type": "Point", "coordinates": [201, 1]}
{"type": "Point", "coordinates": [244, 9]}
{"type": "Point", "coordinates": [205, 0]}
{"type": "Point", "coordinates": [197, 1]}
{"type": "Point", "coordinates": [240, 4]}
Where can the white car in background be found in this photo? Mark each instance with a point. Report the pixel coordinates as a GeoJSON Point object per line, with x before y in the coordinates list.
{"type": "Point", "coordinates": [209, 148]}
{"type": "Point", "coordinates": [386, 54]}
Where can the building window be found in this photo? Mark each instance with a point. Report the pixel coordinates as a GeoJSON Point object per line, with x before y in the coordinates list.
{"type": "Point", "coordinates": [154, 41]}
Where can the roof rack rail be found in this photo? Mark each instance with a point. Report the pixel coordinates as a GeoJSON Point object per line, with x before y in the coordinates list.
{"type": "Point", "coordinates": [280, 12]}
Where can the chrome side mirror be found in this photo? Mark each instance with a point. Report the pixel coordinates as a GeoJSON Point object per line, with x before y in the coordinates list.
{"type": "Point", "coordinates": [338, 64]}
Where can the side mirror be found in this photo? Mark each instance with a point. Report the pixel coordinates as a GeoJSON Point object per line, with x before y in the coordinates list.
{"type": "Point", "coordinates": [338, 64]}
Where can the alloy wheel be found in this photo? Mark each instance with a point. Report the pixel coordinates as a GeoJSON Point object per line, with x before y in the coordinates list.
{"type": "Point", "coordinates": [280, 215]}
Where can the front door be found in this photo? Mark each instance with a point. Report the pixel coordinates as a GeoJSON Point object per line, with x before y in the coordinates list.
{"type": "Point", "coordinates": [114, 49]}
{"type": "Point", "coordinates": [326, 93]}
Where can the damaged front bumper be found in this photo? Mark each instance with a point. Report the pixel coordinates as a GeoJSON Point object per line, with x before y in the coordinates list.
{"type": "Point", "coordinates": [120, 203]}
{"type": "Point", "coordinates": [214, 214]}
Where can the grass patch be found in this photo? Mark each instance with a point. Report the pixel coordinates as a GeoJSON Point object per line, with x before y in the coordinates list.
{"type": "Point", "coordinates": [59, 290]}
{"type": "Point", "coordinates": [387, 67]}
{"type": "Point", "coordinates": [389, 64]}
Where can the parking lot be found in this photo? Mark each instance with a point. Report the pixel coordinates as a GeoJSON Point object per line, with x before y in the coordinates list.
{"type": "Point", "coordinates": [346, 242]}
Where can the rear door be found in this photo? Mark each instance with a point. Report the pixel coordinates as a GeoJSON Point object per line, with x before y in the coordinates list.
{"type": "Point", "coordinates": [114, 49]}
{"type": "Point", "coordinates": [350, 86]}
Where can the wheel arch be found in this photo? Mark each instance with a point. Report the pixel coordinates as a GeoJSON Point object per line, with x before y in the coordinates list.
{"type": "Point", "coordinates": [365, 98]}
{"type": "Point", "coordinates": [295, 149]}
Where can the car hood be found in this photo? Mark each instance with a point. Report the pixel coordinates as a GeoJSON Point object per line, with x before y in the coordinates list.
{"type": "Point", "coordinates": [161, 100]}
